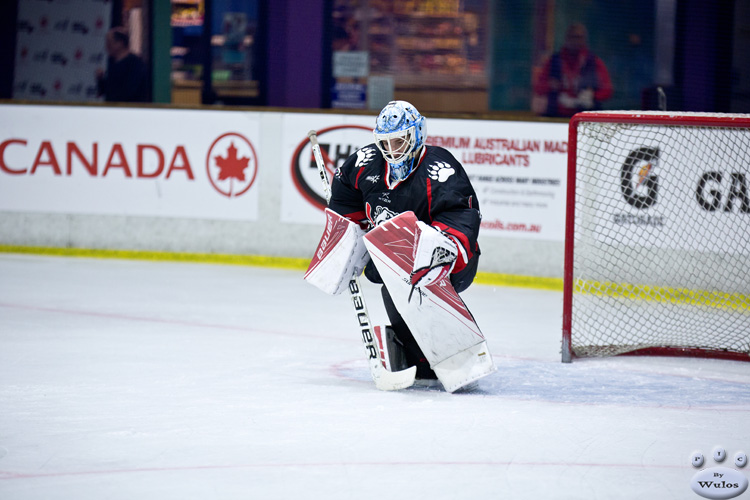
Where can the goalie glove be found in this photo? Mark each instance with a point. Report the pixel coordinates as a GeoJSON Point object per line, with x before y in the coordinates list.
{"type": "Point", "coordinates": [434, 256]}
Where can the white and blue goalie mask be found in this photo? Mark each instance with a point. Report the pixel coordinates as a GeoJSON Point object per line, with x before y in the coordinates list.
{"type": "Point", "coordinates": [400, 133]}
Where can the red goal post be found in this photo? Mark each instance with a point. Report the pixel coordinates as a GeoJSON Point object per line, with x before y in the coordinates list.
{"type": "Point", "coordinates": [657, 235]}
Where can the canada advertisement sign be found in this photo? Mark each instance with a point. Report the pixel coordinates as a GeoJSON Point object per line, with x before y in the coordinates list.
{"type": "Point", "coordinates": [81, 160]}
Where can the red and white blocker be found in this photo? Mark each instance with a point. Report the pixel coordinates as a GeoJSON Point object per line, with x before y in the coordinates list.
{"type": "Point", "coordinates": [340, 255]}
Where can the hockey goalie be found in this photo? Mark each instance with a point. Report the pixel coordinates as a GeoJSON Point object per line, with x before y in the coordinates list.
{"type": "Point", "coordinates": [407, 214]}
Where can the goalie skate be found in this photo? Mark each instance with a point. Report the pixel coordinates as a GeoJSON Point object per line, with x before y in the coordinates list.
{"type": "Point", "coordinates": [437, 317]}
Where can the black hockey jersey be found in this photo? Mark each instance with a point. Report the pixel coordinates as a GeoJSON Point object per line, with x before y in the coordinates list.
{"type": "Point", "coordinates": [438, 191]}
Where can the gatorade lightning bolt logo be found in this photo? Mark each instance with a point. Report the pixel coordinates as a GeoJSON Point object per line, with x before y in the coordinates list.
{"type": "Point", "coordinates": [643, 173]}
{"type": "Point", "coordinates": [638, 184]}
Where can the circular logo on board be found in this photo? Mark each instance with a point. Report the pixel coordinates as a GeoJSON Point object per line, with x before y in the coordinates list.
{"type": "Point", "coordinates": [337, 143]}
{"type": "Point", "coordinates": [232, 164]}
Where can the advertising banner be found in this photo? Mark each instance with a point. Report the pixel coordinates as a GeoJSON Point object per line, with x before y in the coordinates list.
{"type": "Point", "coordinates": [59, 47]}
{"type": "Point", "coordinates": [518, 169]}
{"type": "Point", "coordinates": [668, 188]}
{"type": "Point", "coordinates": [302, 198]}
{"type": "Point", "coordinates": [144, 162]}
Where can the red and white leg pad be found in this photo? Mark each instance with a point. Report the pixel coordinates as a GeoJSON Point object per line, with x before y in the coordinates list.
{"type": "Point", "coordinates": [340, 255]}
{"type": "Point", "coordinates": [437, 317]}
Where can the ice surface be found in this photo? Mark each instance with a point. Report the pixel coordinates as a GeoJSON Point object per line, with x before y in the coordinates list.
{"type": "Point", "coordinates": [156, 380]}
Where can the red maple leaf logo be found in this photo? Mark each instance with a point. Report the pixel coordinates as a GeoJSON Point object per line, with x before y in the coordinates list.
{"type": "Point", "coordinates": [231, 166]}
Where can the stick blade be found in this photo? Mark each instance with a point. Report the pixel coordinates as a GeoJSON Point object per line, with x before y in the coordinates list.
{"type": "Point", "coordinates": [394, 381]}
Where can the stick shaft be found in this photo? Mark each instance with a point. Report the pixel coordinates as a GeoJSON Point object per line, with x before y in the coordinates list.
{"type": "Point", "coordinates": [320, 163]}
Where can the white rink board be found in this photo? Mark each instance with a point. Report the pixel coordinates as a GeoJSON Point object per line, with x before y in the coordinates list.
{"type": "Point", "coordinates": [144, 162]}
{"type": "Point", "coordinates": [172, 212]}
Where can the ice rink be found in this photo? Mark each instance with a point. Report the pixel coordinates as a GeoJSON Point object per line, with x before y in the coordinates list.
{"type": "Point", "coordinates": [159, 380]}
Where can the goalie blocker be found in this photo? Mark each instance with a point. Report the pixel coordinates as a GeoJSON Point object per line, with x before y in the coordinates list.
{"type": "Point", "coordinates": [340, 255]}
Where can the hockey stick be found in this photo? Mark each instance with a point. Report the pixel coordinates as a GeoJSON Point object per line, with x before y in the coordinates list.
{"type": "Point", "coordinates": [384, 379]}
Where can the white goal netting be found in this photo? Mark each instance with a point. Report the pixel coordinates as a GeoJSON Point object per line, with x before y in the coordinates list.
{"type": "Point", "coordinates": [661, 241]}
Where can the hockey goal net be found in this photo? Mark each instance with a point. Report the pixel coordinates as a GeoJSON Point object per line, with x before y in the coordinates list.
{"type": "Point", "coordinates": [657, 244]}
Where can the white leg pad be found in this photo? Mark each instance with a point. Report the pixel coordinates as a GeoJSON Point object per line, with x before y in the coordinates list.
{"type": "Point", "coordinates": [437, 317]}
{"type": "Point", "coordinates": [465, 367]}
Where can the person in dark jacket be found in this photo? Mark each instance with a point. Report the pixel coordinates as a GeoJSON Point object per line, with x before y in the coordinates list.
{"type": "Point", "coordinates": [573, 79]}
{"type": "Point", "coordinates": [126, 78]}
{"type": "Point", "coordinates": [400, 173]}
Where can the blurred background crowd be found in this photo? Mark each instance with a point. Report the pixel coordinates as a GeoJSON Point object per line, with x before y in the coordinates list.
{"type": "Point", "coordinates": [547, 58]}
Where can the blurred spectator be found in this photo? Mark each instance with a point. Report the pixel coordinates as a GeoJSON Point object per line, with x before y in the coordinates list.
{"type": "Point", "coordinates": [573, 79]}
{"type": "Point", "coordinates": [342, 39]}
{"type": "Point", "coordinates": [126, 78]}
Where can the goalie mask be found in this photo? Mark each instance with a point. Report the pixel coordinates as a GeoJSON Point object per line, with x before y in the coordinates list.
{"type": "Point", "coordinates": [400, 133]}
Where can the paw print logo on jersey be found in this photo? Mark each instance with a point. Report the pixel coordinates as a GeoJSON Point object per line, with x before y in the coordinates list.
{"type": "Point", "coordinates": [364, 156]}
{"type": "Point", "coordinates": [719, 481]}
{"type": "Point", "coordinates": [440, 171]}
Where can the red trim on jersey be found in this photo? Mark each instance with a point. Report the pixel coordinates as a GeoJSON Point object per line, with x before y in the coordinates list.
{"type": "Point", "coordinates": [356, 180]}
{"type": "Point", "coordinates": [356, 217]}
{"type": "Point", "coordinates": [388, 176]}
{"type": "Point", "coordinates": [429, 199]}
{"type": "Point", "coordinates": [421, 156]}
{"type": "Point", "coordinates": [368, 213]}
